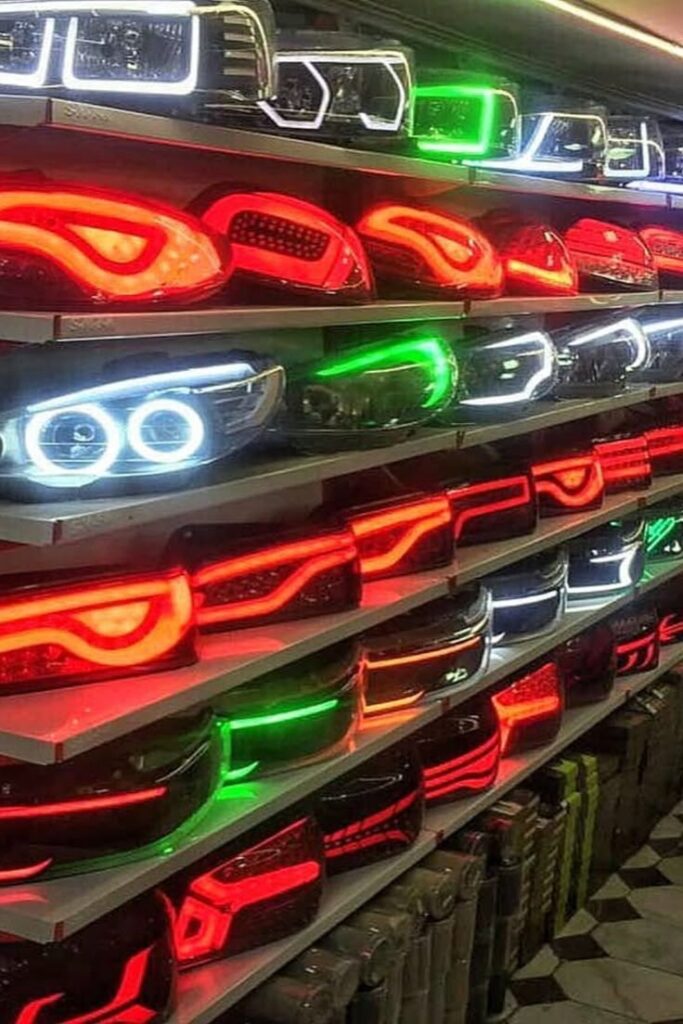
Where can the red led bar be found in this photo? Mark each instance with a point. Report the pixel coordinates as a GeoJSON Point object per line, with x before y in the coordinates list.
{"type": "Point", "coordinates": [666, 246]}
{"type": "Point", "coordinates": [405, 538]}
{"type": "Point", "coordinates": [530, 709]}
{"type": "Point", "coordinates": [292, 243]}
{"type": "Point", "coordinates": [493, 510]}
{"type": "Point", "coordinates": [469, 773]}
{"type": "Point", "coordinates": [258, 895]}
{"type": "Point", "coordinates": [638, 655]}
{"type": "Point", "coordinates": [571, 484]}
{"type": "Point", "coordinates": [102, 247]}
{"type": "Point", "coordinates": [625, 464]}
{"type": "Point", "coordinates": [535, 258]}
{"type": "Point", "coordinates": [124, 1008]}
{"type": "Point", "coordinates": [89, 630]}
{"type": "Point", "coordinates": [430, 250]}
{"type": "Point", "coordinates": [373, 830]}
{"type": "Point", "coordinates": [287, 580]}
{"type": "Point", "coordinates": [671, 629]}
{"type": "Point", "coordinates": [87, 805]}
{"type": "Point", "coordinates": [612, 256]}
{"type": "Point", "coordinates": [665, 445]}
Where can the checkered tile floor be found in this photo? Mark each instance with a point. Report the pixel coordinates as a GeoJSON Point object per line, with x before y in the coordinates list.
{"type": "Point", "coordinates": [621, 959]}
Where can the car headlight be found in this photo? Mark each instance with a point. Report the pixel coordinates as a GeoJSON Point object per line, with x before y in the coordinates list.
{"type": "Point", "coordinates": [404, 536]}
{"type": "Point", "coordinates": [122, 967]}
{"type": "Point", "coordinates": [374, 812]}
{"type": "Point", "coordinates": [103, 807]}
{"type": "Point", "coordinates": [529, 598]}
{"type": "Point", "coordinates": [573, 483]}
{"type": "Point", "coordinates": [460, 752]}
{"type": "Point", "coordinates": [607, 561]}
{"type": "Point", "coordinates": [635, 149]}
{"type": "Point", "coordinates": [154, 425]}
{"type": "Point", "coordinates": [245, 578]}
{"type": "Point", "coordinates": [502, 374]}
{"type": "Point", "coordinates": [664, 333]}
{"type": "Point", "coordinates": [626, 464]}
{"type": "Point", "coordinates": [293, 715]}
{"type": "Point", "coordinates": [430, 252]}
{"type": "Point", "coordinates": [252, 892]}
{"type": "Point", "coordinates": [664, 533]}
{"type": "Point", "coordinates": [373, 395]}
{"type": "Point", "coordinates": [127, 51]}
{"type": "Point", "coordinates": [72, 246]}
{"type": "Point", "coordinates": [530, 707]}
{"type": "Point", "coordinates": [428, 652]}
{"type": "Point", "coordinates": [535, 258]}
{"type": "Point", "coordinates": [588, 664]}
{"type": "Point", "coordinates": [558, 144]}
{"type": "Point", "coordinates": [333, 84]}
{"type": "Point", "coordinates": [57, 634]}
{"type": "Point", "coordinates": [458, 119]}
{"type": "Point", "coordinates": [284, 243]}
{"type": "Point", "coordinates": [665, 445]}
{"type": "Point", "coordinates": [489, 510]}
{"type": "Point", "coordinates": [637, 635]}
{"type": "Point", "coordinates": [610, 258]}
{"type": "Point", "coordinates": [599, 358]}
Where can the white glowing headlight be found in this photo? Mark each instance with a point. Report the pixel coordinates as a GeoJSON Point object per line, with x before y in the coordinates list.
{"type": "Point", "coordinates": [139, 47]}
{"type": "Point", "coordinates": [607, 561]}
{"type": "Point", "coordinates": [334, 84]}
{"type": "Point", "coordinates": [529, 598]}
{"type": "Point", "coordinates": [143, 426]}
{"type": "Point", "coordinates": [635, 149]}
{"type": "Point", "coordinates": [664, 333]}
{"type": "Point", "coordinates": [601, 357]}
{"type": "Point", "coordinates": [505, 372]}
{"type": "Point", "coordinates": [558, 144]}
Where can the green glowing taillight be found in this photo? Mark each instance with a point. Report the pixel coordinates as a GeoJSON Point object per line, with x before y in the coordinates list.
{"type": "Point", "coordinates": [466, 120]}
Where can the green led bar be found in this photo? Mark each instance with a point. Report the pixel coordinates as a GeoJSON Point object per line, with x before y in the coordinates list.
{"type": "Point", "coordinates": [432, 353]}
{"type": "Point", "coordinates": [482, 101]}
{"type": "Point", "coordinates": [282, 717]}
{"type": "Point", "coordinates": [658, 531]}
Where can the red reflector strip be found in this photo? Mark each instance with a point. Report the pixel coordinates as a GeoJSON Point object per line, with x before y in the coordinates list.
{"type": "Point", "coordinates": [318, 555]}
{"type": "Point", "coordinates": [403, 528]}
{"type": "Point", "coordinates": [572, 482]}
{"type": "Point", "coordinates": [475, 770]}
{"type": "Point", "coordinates": [87, 805]}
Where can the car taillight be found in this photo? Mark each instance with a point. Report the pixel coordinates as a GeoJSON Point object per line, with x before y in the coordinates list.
{"type": "Point", "coordinates": [610, 257]}
{"type": "Point", "coordinates": [608, 560]}
{"type": "Point", "coordinates": [295, 714]}
{"type": "Point", "coordinates": [373, 812]}
{"type": "Point", "coordinates": [588, 665]}
{"type": "Point", "coordinates": [598, 359]}
{"type": "Point", "coordinates": [671, 629]}
{"type": "Point", "coordinates": [119, 970]}
{"type": "Point", "coordinates": [570, 484]}
{"type": "Point", "coordinates": [530, 707]}
{"type": "Point", "coordinates": [55, 635]}
{"type": "Point", "coordinates": [430, 251]}
{"type": "Point", "coordinates": [665, 445]}
{"type": "Point", "coordinates": [460, 752]}
{"type": "Point", "coordinates": [625, 464]}
{"type": "Point", "coordinates": [69, 245]}
{"type": "Point", "coordinates": [106, 805]}
{"type": "Point", "coordinates": [664, 533]}
{"type": "Point", "coordinates": [666, 246]}
{"type": "Point", "coordinates": [403, 537]}
{"type": "Point", "coordinates": [337, 85]}
{"type": "Point", "coordinates": [244, 895]}
{"type": "Point", "coordinates": [529, 598]}
{"type": "Point", "coordinates": [281, 242]}
{"type": "Point", "coordinates": [428, 652]}
{"type": "Point", "coordinates": [458, 119]}
{"type": "Point", "coordinates": [637, 634]}
{"type": "Point", "coordinates": [370, 395]}
{"type": "Point", "coordinates": [635, 149]}
{"type": "Point", "coordinates": [238, 581]}
{"type": "Point", "coordinates": [670, 611]}
{"type": "Point", "coordinates": [493, 509]}
{"type": "Point", "coordinates": [535, 259]}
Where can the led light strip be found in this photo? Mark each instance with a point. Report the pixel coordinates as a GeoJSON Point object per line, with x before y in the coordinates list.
{"type": "Point", "coordinates": [534, 381]}
{"type": "Point", "coordinates": [279, 717]}
{"type": "Point", "coordinates": [22, 812]}
{"type": "Point", "coordinates": [486, 96]}
{"type": "Point", "coordinates": [626, 557]}
{"type": "Point", "coordinates": [528, 162]}
{"type": "Point", "coordinates": [630, 327]}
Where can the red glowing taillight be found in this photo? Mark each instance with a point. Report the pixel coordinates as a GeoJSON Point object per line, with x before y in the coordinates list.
{"type": "Point", "coordinates": [638, 639]}
{"type": "Point", "coordinates": [666, 246]}
{"type": "Point", "coordinates": [460, 752]}
{"type": "Point", "coordinates": [288, 243]}
{"type": "Point", "coordinates": [493, 510]}
{"type": "Point", "coordinates": [535, 259]}
{"type": "Point", "coordinates": [570, 484]}
{"type": "Point", "coordinates": [52, 636]}
{"type": "Point", "coordinates": [625, 464]}
{"type": "Point", "coordinates": [63, 243]}
{"type": "Point", "coordinates": [665, 445]}
{"type": "Point", "coordinates": [609, 256]}
{"type": "Point", "coordinates": [406, 537]}
{"type": "Point", "coordinates": [432, 251]}
{"type": "Point", "coordinates": [530, 708]}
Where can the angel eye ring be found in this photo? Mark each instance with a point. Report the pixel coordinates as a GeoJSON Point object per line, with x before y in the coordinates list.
{"type": "Point", "coordinates": [165, 430]}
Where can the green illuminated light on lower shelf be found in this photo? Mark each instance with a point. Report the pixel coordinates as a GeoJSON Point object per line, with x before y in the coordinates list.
{"type": "Point", "coordinates": [281, 717]}
{"type": "Point", "coordinates": [657, 532]}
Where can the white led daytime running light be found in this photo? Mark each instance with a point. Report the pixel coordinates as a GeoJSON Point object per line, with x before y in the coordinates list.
{"type": "Point", "coordinates": [534, 381]}
{"type": "Point", "coordinates": [44, 464]}
{"type": "Point", "coordinates": [632, 328]}
{"type": "Point", "coordinates": [522, 602]}
{"type": "Point", "coordinates": [527, 162]}
{"type": "Point", "coordinates": [191, 417]}
{"type": "Point", "coordinates": [658, 326]}
{"type": "Point", "coordinates": [35, 79]}
{"type": "Point", "coordinates": [646, 143]}
{"type": "Point", "coordinates": [626, 558]}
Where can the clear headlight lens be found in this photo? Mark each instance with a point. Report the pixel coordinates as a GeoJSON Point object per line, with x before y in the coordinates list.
{"type": "Point", "coordinates": [558, 143]}
{"type": "Point", "coordinates": [664, 333]}
{"type": "Point", "coordinates": [601, 357]}
{"type": "Point", "coordinates": [143, 426]}
{"type": "Point", "coordinates": [635, 149]}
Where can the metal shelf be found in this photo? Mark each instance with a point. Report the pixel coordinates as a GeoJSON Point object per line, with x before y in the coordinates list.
{"type": "Point", "coordinates": [50, 910]}
{"type": "Point", "coordinates": [62, 522]}
{"type": "Point", "coordinates": [208, 991]}
{"type": "Point", "coordinates": [552, 188]}
{"type": "Point", "coordinates": [671, 295]}
{"type": "Point", "coordinates": [55, 725]}
{"type": "Point", "coordinates": [521, 305]}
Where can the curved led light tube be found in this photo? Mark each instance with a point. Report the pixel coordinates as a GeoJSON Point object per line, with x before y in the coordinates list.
{"type": "Point", "coordinates": [528, 162]}
{"type": "Point", "coordinates": [646, 145]}
{"type": "Point", "coordinates": [112, 444]}
{"type": "Point", "coordinates": [625, 558]}
{"type": "Point", "coordinates": [629, 326]}
{"type": "Point", "coordinates": [37, 78]}
{"type": "Point", "coordinates": [184, 451]}
{"type": "Point", "coordinates": [534, 382]}
{"type": "Point", "coordinates": [486, 94]}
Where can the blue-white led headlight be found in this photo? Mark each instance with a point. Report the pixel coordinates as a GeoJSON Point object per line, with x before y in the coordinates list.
{"type": "Point", "coordinates": [144, 426]}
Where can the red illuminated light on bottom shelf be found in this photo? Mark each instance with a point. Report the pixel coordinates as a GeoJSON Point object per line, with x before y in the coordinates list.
{"type": "Point", "coordinates": [638, 655]}
{"type": "Point", "coordinates": [390, 538]}
{"type": "Point", "coordinates": [124, 1008]}
{"type": "Point", "coordinates": [475, 770]}
{"type": "Point", "coordinates": [531, 699]}
{"type": "Point", "coordinates": [368, 832]}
